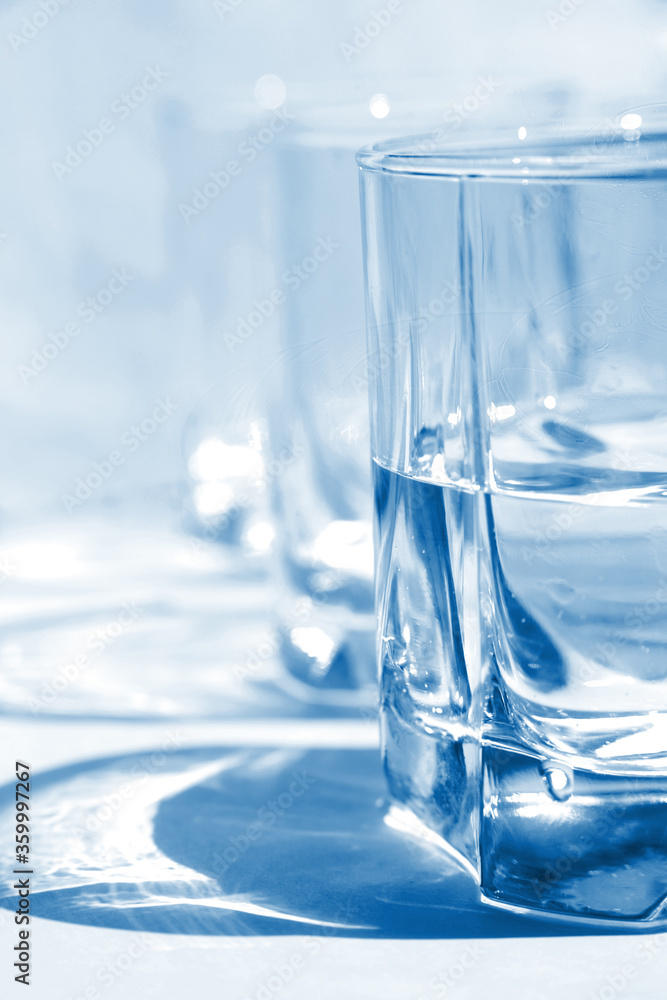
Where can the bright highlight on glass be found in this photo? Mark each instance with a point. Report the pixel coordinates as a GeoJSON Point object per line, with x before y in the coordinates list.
{"type": "Point", "coordinates": [315, 643]}
{"type": "Point", "coordinates": [212, 499]}
{"type": "Point", "coordinates": [42, 561]}
{"type": "Point", "coordinates": [260, 536]}
{"type": "Point", "coordinates": [631, 121]}
{"type": "Point", "coordinates": [379, 105]}
{"type": "Point", "coordinates": [345, 545]}
{"type": "Point", "coordinates": [270, 91]}
{"type": "Point", "coordinates": [216, 461]}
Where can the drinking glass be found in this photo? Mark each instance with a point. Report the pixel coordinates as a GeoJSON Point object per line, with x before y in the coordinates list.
{"type": "Point", "coordinates": [516, 304]}
{"type": "Point", "coordinates": [318, 428]}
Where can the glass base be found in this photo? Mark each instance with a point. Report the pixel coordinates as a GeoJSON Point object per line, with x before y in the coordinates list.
{"type": "Point", "coordinates": [539, 834]}
{"type": "Point", "coordinates": [572, 841]}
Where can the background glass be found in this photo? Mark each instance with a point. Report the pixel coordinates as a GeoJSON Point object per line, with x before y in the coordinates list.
{"type": "Point", "coordinates": [127, 431]}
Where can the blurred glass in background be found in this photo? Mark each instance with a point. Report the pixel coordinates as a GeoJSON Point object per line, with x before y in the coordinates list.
{"type": "Point", "coordinates": [134, 582]}
{"type": "Point", "coordinates": [318, 423]}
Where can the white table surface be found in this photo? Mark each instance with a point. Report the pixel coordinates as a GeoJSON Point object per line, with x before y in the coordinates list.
{"type": "Point", "coordinates": [71, 959]}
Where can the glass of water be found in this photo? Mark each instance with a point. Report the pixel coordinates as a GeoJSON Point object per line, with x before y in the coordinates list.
{"type": "Point", "coordinates": [517, 310]}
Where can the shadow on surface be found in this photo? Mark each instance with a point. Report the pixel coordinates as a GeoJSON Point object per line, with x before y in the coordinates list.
{"type": "Point", "coordinates": [227, 841]}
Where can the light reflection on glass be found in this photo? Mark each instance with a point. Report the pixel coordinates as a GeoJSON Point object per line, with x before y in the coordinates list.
{"type": "Point", "coordinates": [345, 545]}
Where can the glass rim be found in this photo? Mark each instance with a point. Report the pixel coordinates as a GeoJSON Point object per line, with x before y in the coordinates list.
{"type": "Point", "coordinates": [624, 149]}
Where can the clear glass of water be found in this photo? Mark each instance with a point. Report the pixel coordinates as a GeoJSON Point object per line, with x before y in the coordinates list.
{"type": "Point", "coordinates": [517, 312]}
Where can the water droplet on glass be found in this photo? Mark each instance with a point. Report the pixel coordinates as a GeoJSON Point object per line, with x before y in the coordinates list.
{"type": "Point", "coordinates": [558, 779]}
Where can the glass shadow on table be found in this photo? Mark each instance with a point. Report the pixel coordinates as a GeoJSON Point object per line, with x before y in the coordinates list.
{"type": "Point", "coordinates": [247, 841]}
